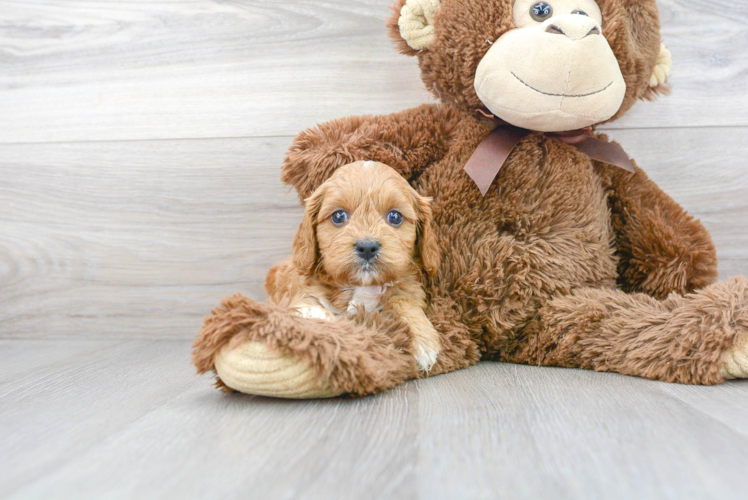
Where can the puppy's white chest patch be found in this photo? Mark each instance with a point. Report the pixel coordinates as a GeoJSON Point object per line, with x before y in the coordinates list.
{"type": "Point", "coordinates": [368, 296]}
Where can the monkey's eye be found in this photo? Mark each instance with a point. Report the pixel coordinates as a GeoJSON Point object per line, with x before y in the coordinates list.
{"type": "Point", "coordinates": [339, 218]}
{"type": "Point", "coordinates": [395, 218]}
{"type": "Point", "coordinates": [580, 12]}
{"type": "Point", "coordinates": [541, 11]}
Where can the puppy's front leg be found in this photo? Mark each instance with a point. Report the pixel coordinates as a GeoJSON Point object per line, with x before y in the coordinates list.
{"type": "Point", "coordinates": [425, 337]}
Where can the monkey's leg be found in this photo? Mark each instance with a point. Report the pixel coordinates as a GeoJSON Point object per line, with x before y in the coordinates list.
{"type": "Point", "coordinates": [661, 249]}
{"type": "Point", "coordinates": [457, 349]}
{"type": "Point", "coordinates": [269, 350]}
{"type": "Point", "coordinates": [698, 338]}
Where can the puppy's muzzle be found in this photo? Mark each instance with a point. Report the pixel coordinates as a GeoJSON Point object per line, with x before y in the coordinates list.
{"type": "Point", "coordinates": [367, 249]}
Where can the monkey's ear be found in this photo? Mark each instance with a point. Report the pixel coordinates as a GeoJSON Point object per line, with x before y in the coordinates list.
{"type": "Point", "coordinates": [426, 243]}
{"type": "Point", "coordinates": [305, 247]}
{"type": "Point", "coordinates": [411, 25]}
{"type": "Point", "coordinates": [662, 68]}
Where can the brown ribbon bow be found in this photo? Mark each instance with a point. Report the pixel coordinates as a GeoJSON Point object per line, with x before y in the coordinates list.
{"type": "Point", "coordinates": [489, 157]}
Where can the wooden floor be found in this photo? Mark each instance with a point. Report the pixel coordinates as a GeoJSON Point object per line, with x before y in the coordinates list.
{"type": "Point", "coordinates": [139, 152]}
{"type": "Point", "coordinates": [128, 419]}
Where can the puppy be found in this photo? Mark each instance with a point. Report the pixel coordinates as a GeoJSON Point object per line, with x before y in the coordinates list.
{"type": "Point", "coordinates": [364, 241]}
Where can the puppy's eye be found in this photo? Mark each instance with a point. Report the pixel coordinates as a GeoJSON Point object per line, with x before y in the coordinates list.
{"type": "Point", "coordinates": [339, 218]}
{"type": "Point", "coordinates": [541, 11]}
{"type": "Point", "coordinates": [580, 12]}
{"type": "Point", "coordinates": [395, 218]}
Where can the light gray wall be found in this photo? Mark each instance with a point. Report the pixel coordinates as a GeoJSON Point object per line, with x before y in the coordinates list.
{"type": "Point", "coordinates": [140, 145]}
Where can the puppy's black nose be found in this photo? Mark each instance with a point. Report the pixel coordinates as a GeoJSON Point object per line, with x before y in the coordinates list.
{"type": "Point", "coordinates": [367, 249]}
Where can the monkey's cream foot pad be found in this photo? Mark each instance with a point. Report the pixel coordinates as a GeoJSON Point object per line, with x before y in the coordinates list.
{"type": "Point", "coordinates": [736, 363]}
{"type": "Point", "coordinates": [254, 368]}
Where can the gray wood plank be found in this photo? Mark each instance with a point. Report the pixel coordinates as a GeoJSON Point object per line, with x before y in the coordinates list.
{"type": "Point", "coordinates": [85, 391]}
{"type": "Point", "coordinates": [135, 422]}
{"type": "Point", "coordinates": [137, 238]}
{"type": "Point", "coordinates": [32, 358]}
{"type": "Point", "coordinates": [128, 419]}
{"type": "Point", "coordinates": [144, 70]}
{"type": "Point", "coordinates": [144, 238]}
{"type": "Point", "coordinates": [496, 431]}
{"type": "Point", "coordinates": [726, 403]}
{"type": "Point", "coordinates": [96, 70]}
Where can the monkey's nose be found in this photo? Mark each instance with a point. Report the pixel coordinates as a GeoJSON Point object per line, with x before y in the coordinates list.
{"type": "Point", "coordinates": [573, 26]}
{"type": "Point", "coordinates": [367, 249]}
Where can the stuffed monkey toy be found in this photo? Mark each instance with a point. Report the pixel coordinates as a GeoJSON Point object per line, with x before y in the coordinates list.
{"type": "Point", "coordinates": [556, 249]}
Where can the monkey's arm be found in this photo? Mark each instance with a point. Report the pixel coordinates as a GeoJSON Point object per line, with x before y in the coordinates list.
{"type": "Point", "coordinates": [407, 141]}
{"type": "Point", "coordinates": [662, 249]}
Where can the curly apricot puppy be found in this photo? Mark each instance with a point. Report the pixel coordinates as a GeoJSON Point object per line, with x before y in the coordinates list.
{"type": "Point", "coordinates": [364, 241]}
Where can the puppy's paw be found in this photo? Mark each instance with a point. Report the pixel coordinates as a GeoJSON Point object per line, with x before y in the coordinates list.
{"type": "Point", "coordinates": [314, 312]}
{"type": "Point", "coordinates": [426, 353]}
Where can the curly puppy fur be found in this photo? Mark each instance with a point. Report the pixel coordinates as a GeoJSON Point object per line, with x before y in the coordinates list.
{"type": "Point", "coordinates": [564, 262]}
{"type": "Point", "coordinates": [327, 274]}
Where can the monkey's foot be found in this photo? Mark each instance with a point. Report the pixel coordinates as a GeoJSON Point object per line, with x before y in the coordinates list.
{"type": "Point", "coordinates": [736, 363]}
{"type": "Point", "coordinates": [276, 350]}
{"type": "Point", "coordinates": [255, 368]}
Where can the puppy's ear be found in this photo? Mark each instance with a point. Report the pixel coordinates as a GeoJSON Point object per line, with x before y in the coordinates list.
{"type": "Point", "coordinates": [426, 244]}
{"type": "Point", "coordinates": [305, 241]}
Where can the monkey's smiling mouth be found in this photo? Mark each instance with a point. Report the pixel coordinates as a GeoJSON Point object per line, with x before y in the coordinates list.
{"type": "Point", "coordinates": [559, 95]}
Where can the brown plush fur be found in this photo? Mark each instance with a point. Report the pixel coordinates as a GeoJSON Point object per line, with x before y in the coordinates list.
{"type": "Point", "coordinates": [679, 339]}
{"type": "Point", "coordinates": [545, 268]}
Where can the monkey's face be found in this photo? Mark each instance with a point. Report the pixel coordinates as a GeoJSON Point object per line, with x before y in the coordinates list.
{"type": "Point", "coordinates": [554, 71]}
{"type": "Point", "coordinates": [547, 65]}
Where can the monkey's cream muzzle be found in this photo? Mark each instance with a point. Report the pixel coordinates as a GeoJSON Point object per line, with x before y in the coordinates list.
{"type": "Point", "coordinates": [556, 76]}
